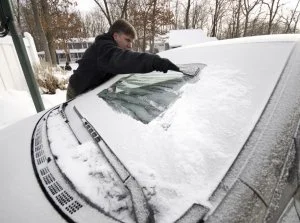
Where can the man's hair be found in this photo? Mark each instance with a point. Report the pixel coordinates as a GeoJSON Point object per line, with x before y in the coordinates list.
{"type": "Point", "coordinates": [122, 26]}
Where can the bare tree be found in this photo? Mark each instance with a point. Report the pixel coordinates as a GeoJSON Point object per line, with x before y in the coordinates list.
{"type": "Point", "coordinates": [233, 19]}
{"type": "Point", "coordinates": [105, 11]}
{"type": "Point", "coordinates": [195, 16]}
{"type": "Point", "coordinates": [94, 23]}
{"type": "Point", "coordinates": [176, 14]}
{"type": "Point", "coordinates": [219, 10]}
{"type": "Point", "coordinates": [247, 9]}
{"type": "Point", "coordinates": [292, 18]}
{"type": "Point", "coordinates": [273, 7]}
{"type": "Point", "coordinates": [124, 9]}
{"type": "Point", "coordinates": [200, 14]}
{"type": "Point", "coordinates": [296, 20]}
{"type": "Point", "coordinates": [113, 10]}
{"type": "Point", "coordinates": [258, 24]}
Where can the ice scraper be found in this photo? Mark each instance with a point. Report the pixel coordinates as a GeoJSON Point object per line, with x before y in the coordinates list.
{"type": "Point", "coordinates": [191, 70]}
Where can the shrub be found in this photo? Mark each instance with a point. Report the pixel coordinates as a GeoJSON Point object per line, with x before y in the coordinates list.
{"type": "Point", "coordinates": [50, 78]}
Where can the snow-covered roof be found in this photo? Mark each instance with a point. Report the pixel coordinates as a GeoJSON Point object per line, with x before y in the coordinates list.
{"type": "Point", "coordinates": [77, 50]}
{"type": "Point", "coordinates": [80, 40]}
{"type": "Point", "coordinates": [188, 37]}
{"type": "Point", "coordinates": [71, 51]}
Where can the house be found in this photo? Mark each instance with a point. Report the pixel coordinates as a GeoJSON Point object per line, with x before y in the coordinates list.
{"type": "Point", "coordinates": [76, 48]}
{"type": "Point", "coordinates": [178, 38]}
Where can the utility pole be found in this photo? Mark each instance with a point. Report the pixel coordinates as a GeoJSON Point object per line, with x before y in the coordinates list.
{"type": "Point", "coordinates": [8, 23]}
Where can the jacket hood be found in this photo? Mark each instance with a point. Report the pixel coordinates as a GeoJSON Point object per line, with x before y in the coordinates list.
{"type": "Point", "coordinates": [105, 36]}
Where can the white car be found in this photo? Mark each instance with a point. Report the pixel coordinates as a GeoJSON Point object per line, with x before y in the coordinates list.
{"type": "Point", "coordinates": [222, 146]}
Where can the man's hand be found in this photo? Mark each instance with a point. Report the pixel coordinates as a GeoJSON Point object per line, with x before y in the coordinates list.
{"type": "Point", "coordinates": [163, 65]}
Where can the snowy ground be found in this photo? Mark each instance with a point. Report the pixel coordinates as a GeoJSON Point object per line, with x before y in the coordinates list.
{"type": "Point", "coordinates": [17, 105]}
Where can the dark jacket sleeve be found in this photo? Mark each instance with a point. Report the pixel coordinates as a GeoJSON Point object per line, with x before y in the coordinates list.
{"type": "Point", "coordinates": [114, 60]}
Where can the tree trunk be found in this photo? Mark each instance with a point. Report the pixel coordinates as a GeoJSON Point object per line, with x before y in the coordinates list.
{"type": "Point", "coordinates": [105, 12]}
{"type": "Point", "coordinates": [153, 27]}
{"type": "Point", "coordinates": [247, 10]}
{"type": "Point", "coordinates": [246, 25]}
{"type": "Point", "coordinates": [124, 10]}
{"type": "Point", "coordinates": [144, 33]}
{"type": "Point", "coordinates": [237, 32]}
{"type": "Point", "coordinates": [49, 32]}
{"type": "Point", "coordinates": [187, 14]}
{"type": "Point", "coordinates": [214, 22]}
{"type": "Point", "coordinates": [176, 14]}
{"type": "Point", "coordinates": [41, 32]}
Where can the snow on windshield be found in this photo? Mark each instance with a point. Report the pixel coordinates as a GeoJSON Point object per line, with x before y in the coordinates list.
{"type": "Point", "coordinates": [181, 155]}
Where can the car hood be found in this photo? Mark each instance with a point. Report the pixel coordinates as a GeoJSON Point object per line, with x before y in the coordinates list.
{"type": "Point", "coordinates": [22, 199]}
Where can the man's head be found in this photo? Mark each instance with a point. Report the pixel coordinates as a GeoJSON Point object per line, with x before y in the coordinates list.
{"type": "Point", "coordinates": [123, 33]}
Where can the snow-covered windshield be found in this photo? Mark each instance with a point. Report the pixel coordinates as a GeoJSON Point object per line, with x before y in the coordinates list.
{"type": "Point", "coordinates": [146, 96]}
{"type": "Point", "coordinates": [190, 142]}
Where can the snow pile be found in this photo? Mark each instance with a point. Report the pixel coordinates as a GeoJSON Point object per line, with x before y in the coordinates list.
{"type": "Point", "coordinates": [17, 105]}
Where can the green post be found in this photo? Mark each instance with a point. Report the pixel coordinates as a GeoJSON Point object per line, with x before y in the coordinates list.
{"type": "Point", "coordinates": [22, 55]}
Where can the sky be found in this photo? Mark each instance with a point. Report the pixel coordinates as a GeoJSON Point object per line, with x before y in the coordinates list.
{"type": "Point", "coordinates": [86, 5]}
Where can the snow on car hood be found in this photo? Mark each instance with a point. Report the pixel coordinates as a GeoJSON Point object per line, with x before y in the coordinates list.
{"type": "Point", "coordinates": [183, 154]}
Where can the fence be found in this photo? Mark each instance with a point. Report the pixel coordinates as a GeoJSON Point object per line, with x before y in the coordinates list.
{"type": "Point", "coordinates": [11, 74]}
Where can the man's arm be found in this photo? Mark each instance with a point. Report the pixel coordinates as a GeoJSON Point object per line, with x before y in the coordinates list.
{"type": "Point", "coordinates": [114, 60]}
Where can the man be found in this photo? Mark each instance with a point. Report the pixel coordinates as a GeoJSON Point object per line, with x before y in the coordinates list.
{"type": "Point", "coordinates": [110, 55]}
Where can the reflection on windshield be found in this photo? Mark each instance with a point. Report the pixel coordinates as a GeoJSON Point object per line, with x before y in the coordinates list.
{"type": "Point", "coordinates": [144, 96]}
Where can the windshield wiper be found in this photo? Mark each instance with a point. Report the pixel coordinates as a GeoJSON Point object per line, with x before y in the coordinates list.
{"type": "Point", "coordinates": [142, 211]}
{"type": "Point", "coordinates": [64, 116]}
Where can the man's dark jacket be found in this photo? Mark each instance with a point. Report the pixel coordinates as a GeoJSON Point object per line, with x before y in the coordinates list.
{"type": "Point", "coordinates": [104, 59]}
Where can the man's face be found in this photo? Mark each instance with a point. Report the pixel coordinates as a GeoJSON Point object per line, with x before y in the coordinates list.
{"type": "Point", "coordinates": [124, 41]}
